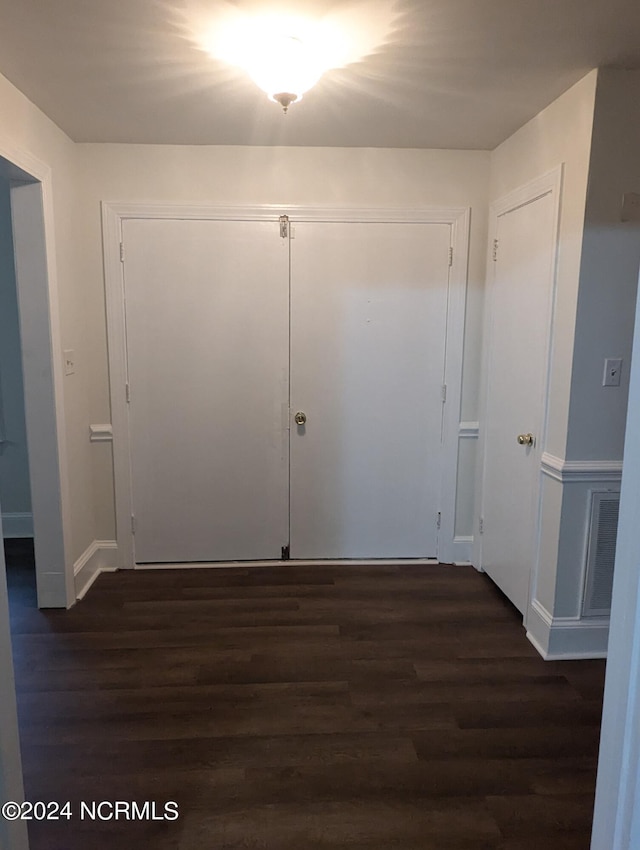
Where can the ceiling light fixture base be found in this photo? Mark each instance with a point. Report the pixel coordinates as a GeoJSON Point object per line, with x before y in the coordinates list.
{"type": "Point", "coordinates": [285, 99]}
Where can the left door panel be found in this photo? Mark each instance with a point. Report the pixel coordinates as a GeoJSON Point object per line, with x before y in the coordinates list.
{"type": "Point", "coordinates": [207, 347]}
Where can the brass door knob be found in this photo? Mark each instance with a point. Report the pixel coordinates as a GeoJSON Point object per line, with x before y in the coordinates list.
{"type": "Point", "coordinates": [526, 439]}
{"type": "Point", "coordinates": [300, 418]}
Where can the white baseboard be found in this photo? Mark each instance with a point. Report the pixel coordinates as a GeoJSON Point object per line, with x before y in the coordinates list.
{"type": "Point", "coordinates": [17, 525]}
{"type": "Point", "coordinates": [461, 550]}
{"type": "Point", "coordinates": [100, 557]}
{"type": "Point", "coordinates": [336, 562]}
{"type": "Point", "coordinates": [566, 638]}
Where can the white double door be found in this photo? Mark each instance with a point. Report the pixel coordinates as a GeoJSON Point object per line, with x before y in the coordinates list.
{"type": "Point", "coordinates": [231, 331]}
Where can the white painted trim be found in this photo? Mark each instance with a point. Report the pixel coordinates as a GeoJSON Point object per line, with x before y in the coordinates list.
{"type": "Point", "coordinates": [17, 525]}
{"type": "Point", "coordinates": [100, 557]}
{"type": "Point", "coordinates": [528, 192]}
{"type": "Point", "coordinates": [568, 471]}
{"type": "Point", "coordinates": [114, 293]}
{"type": "Point", "coordinates": [43, 381]}
{"type": "Point", "coordinates": [454, 350]}
{"type": "Point", "coordinates": [13, 834]}
{"type": "Point", "coordinates": [338, 562]}
{"type": "Point", "coordinates": [566, 638]}
{"type": "Point", "coordinates": [462, 549]}
{"type": "Point", "coordinates": [101, 433]}
{"type": "Point", "coordinates": [469, 430]}
{"type": "Point", "coordinates": [271, 212]}
{"type": "Point", "coordinates": [112, 216]}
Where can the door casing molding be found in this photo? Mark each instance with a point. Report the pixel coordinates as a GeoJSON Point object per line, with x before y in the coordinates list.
{"type": "Point", "coordinates": [458, 218]}
{"type": "Point", "coordinates": [31, 188]}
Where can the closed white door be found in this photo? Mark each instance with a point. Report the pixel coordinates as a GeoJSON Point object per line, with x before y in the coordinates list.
{"type": "Point", "coordinates": [207, 323]}
{"type": "Point", "coordinates": [368, 322]}
{"type": "Point", "coordinates": [519, 340]}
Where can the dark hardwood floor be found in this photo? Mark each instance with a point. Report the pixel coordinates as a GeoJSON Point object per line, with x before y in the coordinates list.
{"type": "Point", "coordinates": [298, 708]}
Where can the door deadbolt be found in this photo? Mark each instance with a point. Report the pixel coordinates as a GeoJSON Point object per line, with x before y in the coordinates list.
{"type": "Point", "coordinates": [300, 418]}
{"type": "Point", "coordinates": [526, 439]}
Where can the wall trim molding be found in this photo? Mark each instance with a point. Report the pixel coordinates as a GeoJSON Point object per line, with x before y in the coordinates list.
{"type": "Point", "coordinates": [17, 525]}
{"type": "Point", "coordinates": [469, 429]}
{"type": "Point", "coordinates": [100, 557]}
{"type": "Point", "coordinates": [101, 433]}
{"type": "Point", "coordinates": [462, 546]}
{"type": "Point", "coordinates": [580, 470]}
{"type": "Point", "coordinates": [566, 638]}
{"type": "Point", "coordinates": [32, 209]}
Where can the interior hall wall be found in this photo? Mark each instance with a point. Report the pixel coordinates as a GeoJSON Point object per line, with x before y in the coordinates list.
{"type": "Point", "coordinates": [608, 273]}
{"type": "Point", "coordinates": [15, 495]}
{"type": "Point", "coordinates": [560, 135]}
{"type": "Point", "coordinates": [605, 316]}
{"type": "Point", "coordinates": [236, 176]}
{"type": "Point", "coordinates": [26, 128]}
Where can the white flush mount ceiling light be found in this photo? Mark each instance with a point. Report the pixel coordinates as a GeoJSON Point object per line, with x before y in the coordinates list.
{"type": "Point", "coordinates": [284, 67]}
{"type": "Point", "coordinates": [284, 56]}
{"type": "Point", "coordinates": [283, 52]}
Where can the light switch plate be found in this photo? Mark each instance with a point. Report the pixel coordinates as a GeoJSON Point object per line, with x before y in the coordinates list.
{"type": "Point", "coordinates": [612, 369]}
{"type": "Point", "coordinates": [69, 361]}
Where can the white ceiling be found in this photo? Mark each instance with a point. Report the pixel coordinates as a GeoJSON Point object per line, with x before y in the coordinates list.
{"type": "Point", "coordinates": [452, 73]}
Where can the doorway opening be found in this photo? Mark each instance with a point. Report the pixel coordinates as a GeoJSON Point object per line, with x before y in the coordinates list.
{"type": "Point", "coordinates": [32, 468]}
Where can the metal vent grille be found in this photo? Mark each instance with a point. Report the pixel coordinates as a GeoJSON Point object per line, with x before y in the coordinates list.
{"type": "Point", "coordinates": [601, 554]}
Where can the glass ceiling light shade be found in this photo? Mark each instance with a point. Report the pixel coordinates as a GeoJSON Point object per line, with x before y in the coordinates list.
{"type": "Point", "coordinates": [285, 68]}
{"type": "Point", "coordinates": [285, 51]}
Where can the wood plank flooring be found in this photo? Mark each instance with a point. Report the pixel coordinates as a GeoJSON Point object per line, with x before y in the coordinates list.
{"type": "Point", "coordinates": [289, 707]}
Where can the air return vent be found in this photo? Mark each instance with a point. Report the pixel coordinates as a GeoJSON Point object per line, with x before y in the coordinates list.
{"type": "Point", "coordinates": [601, 554]}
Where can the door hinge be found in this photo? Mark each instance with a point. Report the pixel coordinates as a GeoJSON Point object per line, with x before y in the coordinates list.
{"type": "Point", "coordinates": [443, 393]}
{"type": "Point", "coordinates": [451, 256]}
{"type": "Point", "coordinates": [495, 250]}
{"type": "Point", "coordinates": [439, 520]}
{"type": "Point", "coordinates": [133, 524]}
{"type": "Point", "coordinates": [285, 553]}
{"type": "Point", "coordinates": [284, 226]}
{"type": "Point", "coordinates": [122, 252]}
{"type": "Point", "coordinates": [127, 390]}
{"type": "Point", "coordinates": [481, 525]}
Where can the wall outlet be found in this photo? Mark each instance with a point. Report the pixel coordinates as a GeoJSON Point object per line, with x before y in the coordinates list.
{"type": "Point", "coordinates": [69, 361]}
{"type": "Point", "coordinates": [612, 369]}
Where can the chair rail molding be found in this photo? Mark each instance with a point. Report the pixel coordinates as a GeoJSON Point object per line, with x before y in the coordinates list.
{"type": "Point", "coordinates": [567, 471]}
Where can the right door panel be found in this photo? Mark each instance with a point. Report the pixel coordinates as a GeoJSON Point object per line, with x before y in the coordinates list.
{"type": "Point", "coordinates": [368, 333]}
{"type": "Point", "coordinates": [521, 316]}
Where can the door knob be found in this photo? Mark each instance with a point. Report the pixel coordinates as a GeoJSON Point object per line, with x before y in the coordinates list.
{"type": "Point", "coordinates": [300, 418]}
{"type": "Point", "coordinates": [526, 439]}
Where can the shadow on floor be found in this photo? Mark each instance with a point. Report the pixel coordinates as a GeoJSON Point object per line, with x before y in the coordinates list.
{"type": "Point", "coordinates": [21, 571]}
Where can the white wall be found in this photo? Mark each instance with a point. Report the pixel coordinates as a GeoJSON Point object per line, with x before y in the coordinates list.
{"type": "Point", "coordinates": [562, 133]}
{"type": "Point", "coordinates": [594, 129]}
{"type": "Point", "coordinates": [26, 128]}
{"type": "Point", "coordinates": [605, 313]}
{"type": "Point", "coordinates": [609, 272]}
{"type": "Point", "coordinates": [616, 824]}
{"type": "Point", "coordinates": [252, 176]}
{"type": "Point", "coordinates": [12, 834]}
{"type": "Point", "coordinates": [15, 495]}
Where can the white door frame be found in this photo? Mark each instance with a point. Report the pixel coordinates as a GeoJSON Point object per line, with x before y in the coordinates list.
{"type": "Point", "coordinates": [550, 182]}
{"type": "Point", "coordinates": [113, 214]}
{"type": "Point", "coordinates": [13, 834]}
{"type": "Point", "coordinates": [37, 288]}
